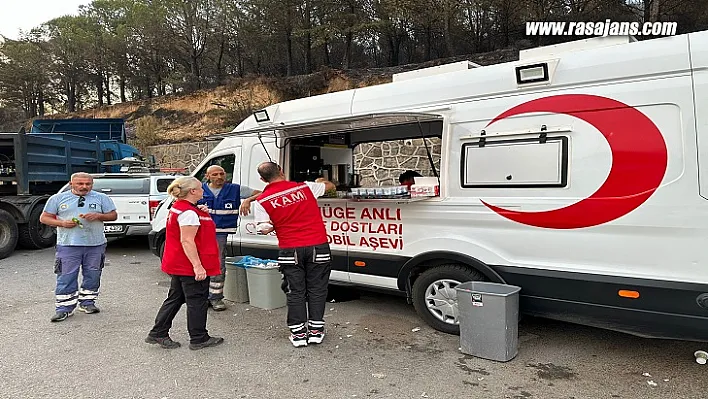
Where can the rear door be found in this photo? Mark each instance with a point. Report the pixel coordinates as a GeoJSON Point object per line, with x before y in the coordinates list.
{"type": "Point", "coordinates": [699, 61]}
{"type": "Point", "coordinates": [131, 196]}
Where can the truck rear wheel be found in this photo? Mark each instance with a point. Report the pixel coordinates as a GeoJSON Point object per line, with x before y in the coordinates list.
{"type": "Point", "coordinates": [435, 297]}
{"type": "Point", "coordinates": [8, 234]}
{"type": "Point", "coordinates": [34, 234]}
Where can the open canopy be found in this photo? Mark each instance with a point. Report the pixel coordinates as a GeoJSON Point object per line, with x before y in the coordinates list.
{"type": "Point", "coordinates": [335, 125]}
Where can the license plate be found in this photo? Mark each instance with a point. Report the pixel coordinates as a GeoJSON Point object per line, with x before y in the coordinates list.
{"type": "Point", "coordinates": [113, 228]}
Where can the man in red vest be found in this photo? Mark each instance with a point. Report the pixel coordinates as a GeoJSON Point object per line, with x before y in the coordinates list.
{"type": "Point", "coordinates": [291, 210]}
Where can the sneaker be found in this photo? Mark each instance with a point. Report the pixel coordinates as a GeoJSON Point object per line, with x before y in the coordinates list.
{"type": "Point", "coordinates": [61, 316]}
{"type": "Point", "coordinates": [315, 336]}
{"type": "Point", "coordinates": [91, 308]}
{"type": "Point", "coordinates": [218, 305]}
{"type": "Point", "coordinates": [299, 339]}
{"type": "Point", "coordinates": [212, 341]}
{"type": "Point", "coordinates": [165, 342]}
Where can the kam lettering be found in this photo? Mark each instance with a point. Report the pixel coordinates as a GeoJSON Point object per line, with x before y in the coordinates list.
{"type": "Point", "coordinates": [370, 227]}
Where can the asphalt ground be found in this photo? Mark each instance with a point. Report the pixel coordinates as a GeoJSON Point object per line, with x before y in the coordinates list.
{"type": "Point", "coordinates": [370, 350]}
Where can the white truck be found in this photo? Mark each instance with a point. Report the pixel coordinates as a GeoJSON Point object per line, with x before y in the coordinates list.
{"type": "Point", "coordinates": [576, 173]}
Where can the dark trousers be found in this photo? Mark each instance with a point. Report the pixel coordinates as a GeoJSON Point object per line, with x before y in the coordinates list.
{"type": "Point", "coordinates": [184, 289]}
{"type": "Point", "coordinates": [306, 273]}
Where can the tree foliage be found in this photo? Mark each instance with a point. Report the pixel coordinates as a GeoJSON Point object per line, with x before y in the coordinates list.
{"type": "Point", "coordinates": [120, 50]}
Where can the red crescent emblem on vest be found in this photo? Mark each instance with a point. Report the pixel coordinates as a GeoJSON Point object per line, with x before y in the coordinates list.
{"type": "Point", "coordinates": [639, 161]}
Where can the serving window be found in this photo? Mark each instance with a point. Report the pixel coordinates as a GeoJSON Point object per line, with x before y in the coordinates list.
{"type": "Point", "coordinates": [515, 163]}
{"type": "Point", "coordinates": [367, 163]}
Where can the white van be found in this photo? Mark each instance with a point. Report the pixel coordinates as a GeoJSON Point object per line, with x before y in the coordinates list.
{"type": "Point", "coordinates": [574, 173]}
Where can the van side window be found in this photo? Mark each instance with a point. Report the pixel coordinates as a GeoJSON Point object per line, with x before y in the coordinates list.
{"type": "Point", "coordinates": [515, 163]}
{"type": "Point", "coordinates": [225, 161]}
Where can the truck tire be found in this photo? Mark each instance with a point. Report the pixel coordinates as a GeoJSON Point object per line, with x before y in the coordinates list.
{"type": "Point", "coordinates": [435, 297]}
{"type": "Point", "coordinates": [8, 234]}
{"type": "Point", "coordinates": [34, 234]}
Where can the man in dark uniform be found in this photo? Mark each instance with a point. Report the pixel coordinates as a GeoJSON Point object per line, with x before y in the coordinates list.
{"type": "Point", "coordinates": [291, 210]}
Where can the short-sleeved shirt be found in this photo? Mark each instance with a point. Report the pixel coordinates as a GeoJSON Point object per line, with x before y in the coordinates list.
{"type": "Point", "coordinates": [66, 207]}
{"type": "Point", "coordinates": [188, 218]}
{"type": "Point", "coordinates": [246, 192]}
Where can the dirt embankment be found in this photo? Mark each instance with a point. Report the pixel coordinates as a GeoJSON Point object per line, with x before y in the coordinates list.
{"type": "Point", "coordinates": [180, 118]}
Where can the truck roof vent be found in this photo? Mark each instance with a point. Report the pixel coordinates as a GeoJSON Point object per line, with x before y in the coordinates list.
{"type": "Point", "coordinates": [436, 70]}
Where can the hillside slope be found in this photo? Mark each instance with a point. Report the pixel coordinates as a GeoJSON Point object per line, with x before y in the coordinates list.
{"type": "Point", "coordinates": [184, 118]}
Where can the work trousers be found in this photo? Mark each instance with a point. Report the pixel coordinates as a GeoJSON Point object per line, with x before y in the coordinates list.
{"type": "Point", "coordinates": [68, 261]}
{"type": "Point", "coordinates": [216, 286]}
{"type": "Point", "coordinates": [184, 289]}
{"type": "Point", "coordinates": [306, 273]}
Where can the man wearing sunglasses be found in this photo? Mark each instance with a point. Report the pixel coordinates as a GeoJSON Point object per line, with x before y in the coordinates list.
{"type": "Point", "coordinates": [78, 214]}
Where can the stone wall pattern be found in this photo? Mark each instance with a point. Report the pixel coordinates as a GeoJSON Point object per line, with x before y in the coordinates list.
{"type": "Point", "coordinates": [379, 164]}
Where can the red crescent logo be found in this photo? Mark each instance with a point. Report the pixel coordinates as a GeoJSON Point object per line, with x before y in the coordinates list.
{"type": "Point", "coordinates": [639, 160]}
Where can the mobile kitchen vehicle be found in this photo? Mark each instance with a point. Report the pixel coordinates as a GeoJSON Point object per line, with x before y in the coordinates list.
{"type": "Point", "coordinates": [576, 173]}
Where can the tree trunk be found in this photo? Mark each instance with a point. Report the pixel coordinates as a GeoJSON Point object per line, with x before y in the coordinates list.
{"type": "Point", "coordinates": [71, 95]}
{"type": "Point", "coordinates": [239, 59]}
{"type": "Point", "coordinates": [122, 89]}
{"type": "Point", "coordinates": [107, 82]}
{"type": "Point", "coordinates": [30, 106]}
{"type": "Point", "coordinates": [308, 37]}
{"type": "Point", "coordinates": [40, 102]}
{"type": "Point", "coordinates": [195, 70]}
{"type": "Point", "coordinates": [347, 49]}
{"type": "Point", "coordinates": [220, 59]}
{"type": "Point", "coordinates": [289, 46]}
{"type": "Point", "coordinates": [394, 50]}
{"type": "Point", "coordinates": [654, 13]}
{"type": "Point", "coordinates": [448, 15]}
{"type": "Point", "coordinates": [428, 43]}
{"type": "Point", "coordinates": [99, 90]}
{"type": "Point", "coordinates": [325, 46]}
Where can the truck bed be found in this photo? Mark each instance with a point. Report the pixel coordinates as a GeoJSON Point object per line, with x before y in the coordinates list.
{"type": "Point", "coordinates": [41, 164]}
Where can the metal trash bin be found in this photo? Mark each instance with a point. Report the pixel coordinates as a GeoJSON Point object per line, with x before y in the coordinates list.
{"type": "Point", "coordinates": [236, 281]}
{"type": "Point", "coordinates": [489, 319]}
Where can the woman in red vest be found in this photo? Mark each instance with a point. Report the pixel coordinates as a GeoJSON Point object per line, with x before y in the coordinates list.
{"type": "Point", "coordinates": [188, 228]}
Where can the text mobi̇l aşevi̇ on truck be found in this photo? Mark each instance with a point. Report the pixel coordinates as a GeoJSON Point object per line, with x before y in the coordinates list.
{"type": "Point", "coordinates": [577, 173]}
